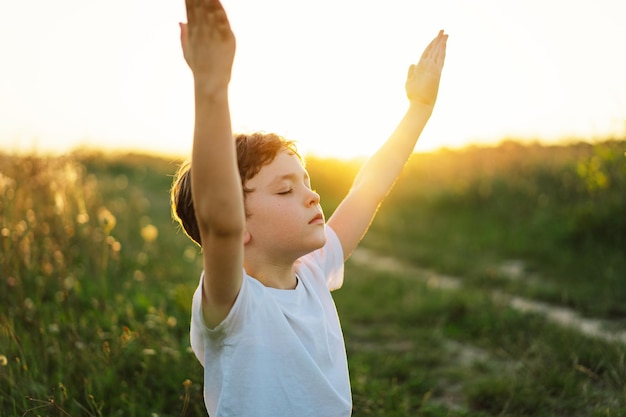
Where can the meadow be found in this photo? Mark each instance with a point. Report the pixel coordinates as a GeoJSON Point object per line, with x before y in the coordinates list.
{"type": "Point", "coordinates": [96, 283]}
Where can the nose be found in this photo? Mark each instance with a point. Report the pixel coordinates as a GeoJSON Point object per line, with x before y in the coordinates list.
{"type": "Point", "coordinates": [313, 198]}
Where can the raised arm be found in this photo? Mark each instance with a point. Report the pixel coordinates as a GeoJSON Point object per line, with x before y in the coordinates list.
{"type": "Point", "coordinates": [209, 47]}
{"type": "Point", "coordinates": [376, 177]}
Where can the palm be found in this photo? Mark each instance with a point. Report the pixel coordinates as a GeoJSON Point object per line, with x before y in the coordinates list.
{"type": "Point", "coordinates": [422, 82]}
{"type": "Point", "coordinates": [207, 40]}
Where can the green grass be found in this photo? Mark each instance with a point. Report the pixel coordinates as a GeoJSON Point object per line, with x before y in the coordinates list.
{"type": "Point", "coordinates": [534, 204]}
{"type": "Point", "coordinates": [96, 283]}
{"type": "Point", "coordinates": [420, 351]}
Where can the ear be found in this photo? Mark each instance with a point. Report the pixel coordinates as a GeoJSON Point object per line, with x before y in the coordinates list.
{"type": "Point", "coordinates": [247, 237]}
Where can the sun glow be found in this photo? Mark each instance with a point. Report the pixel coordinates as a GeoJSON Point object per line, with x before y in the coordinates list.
{"type": "Point", "coordinates": [96, 75]}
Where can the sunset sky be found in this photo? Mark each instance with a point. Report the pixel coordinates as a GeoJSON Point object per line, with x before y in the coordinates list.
{"type": "Point", "coordinates": [329, 74]}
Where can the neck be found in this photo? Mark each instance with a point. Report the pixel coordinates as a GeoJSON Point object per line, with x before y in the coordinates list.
{"type": "Point", "coordinates": [280, 276]}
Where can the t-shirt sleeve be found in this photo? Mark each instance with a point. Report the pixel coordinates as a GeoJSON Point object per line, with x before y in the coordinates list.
{"type": "Point", "coordinates": [330, 259]}
{"type": "Point", "coordinates": [200, 333]}
{"type": "Point", "coordinates": [197, 323]}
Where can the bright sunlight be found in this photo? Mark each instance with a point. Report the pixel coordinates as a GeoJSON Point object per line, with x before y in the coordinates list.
{"type": "Point", "coordinates": [329, 75]}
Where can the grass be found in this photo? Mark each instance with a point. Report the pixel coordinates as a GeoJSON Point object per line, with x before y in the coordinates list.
{"type": "Point", "coordinates": [96, 284]}
{"type": "Point", "coordinates": [434, 352]}
{"type": "Point", "coordinates": [536, 204]}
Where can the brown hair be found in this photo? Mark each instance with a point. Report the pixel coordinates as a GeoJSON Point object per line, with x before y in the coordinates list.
{"type": "Point", "coordinates": [254, 151]}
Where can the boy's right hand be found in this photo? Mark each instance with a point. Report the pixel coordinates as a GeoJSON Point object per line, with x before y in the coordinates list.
{"type": "Point", "coordinates": [208, 44]}
{"type": "Point", "coordinates": [422, 82]}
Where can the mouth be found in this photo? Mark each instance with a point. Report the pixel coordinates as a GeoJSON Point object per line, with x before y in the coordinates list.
{"type": "Point", "coordinates": [318, 219]}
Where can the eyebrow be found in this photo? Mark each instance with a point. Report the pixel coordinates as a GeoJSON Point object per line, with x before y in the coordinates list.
{"type": "Point", "coordinates": [291, 177]}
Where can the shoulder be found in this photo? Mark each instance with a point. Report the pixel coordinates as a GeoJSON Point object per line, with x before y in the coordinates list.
{"type": "Point", "coordinates": [251, 292]}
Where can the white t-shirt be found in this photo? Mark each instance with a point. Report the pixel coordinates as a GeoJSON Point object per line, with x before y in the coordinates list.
{"type": "Point", "coordinates": [278, 352]}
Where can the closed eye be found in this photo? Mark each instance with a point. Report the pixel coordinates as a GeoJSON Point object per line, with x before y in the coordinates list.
{"type": "Point", "coordinates": [289, 191]}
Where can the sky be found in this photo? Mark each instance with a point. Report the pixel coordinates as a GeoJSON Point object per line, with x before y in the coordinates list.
{"type": "Point", "coordinates": [328, 74]}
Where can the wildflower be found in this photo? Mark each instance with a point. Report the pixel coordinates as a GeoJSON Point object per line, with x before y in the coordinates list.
{"type": "Point", "coordinates": [60, 296]}
{"type": "Point", "coordinates": [139, 275]}
{"type": "Point", "coordinates": [59, 203]}
{"type": "Point", "coordinates": [115, 245]}
{"type": "Point", "coordinates": [127, 336]}
{"type": "Point", "coordinates": [149, 352]}
{"type": "Point", "coordinates": [29, 304]}
{"type": "Point", "coordinates": [47, 268]}
{"type": "Point", "coordinates": [3, 360]}
{"type": "Point", "coordinates": [106, 219]}
{"type": "Point", "coordinates": [63, 390]}
{"type": "Point", "coordinates": [142, 258]}
{"type": "Point", "coordinates": [149, 233]}
{"type": "Point", "coordinates": [69, 282]}
{"type": "Point", "coordinates": [190, 253]}
{"type": "Point", "coordinates": [106, 348]}
{"type": "Point", "coordinates": [5, 183]}
{"type": "Point", "coordinates": [173, 353]}
{"type": "Point", "coordinates": [82, 218]}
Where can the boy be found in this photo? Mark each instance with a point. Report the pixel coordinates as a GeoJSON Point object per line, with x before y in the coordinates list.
{"type": "Point", "coordinates": [264, 325]}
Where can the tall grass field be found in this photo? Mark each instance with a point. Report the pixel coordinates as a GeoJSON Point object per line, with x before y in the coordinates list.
{"type": "Point", "coordinates": [492, 283]}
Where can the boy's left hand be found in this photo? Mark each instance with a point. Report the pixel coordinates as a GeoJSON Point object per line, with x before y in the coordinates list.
{"type": "Point", "coordinates": [422, 82]}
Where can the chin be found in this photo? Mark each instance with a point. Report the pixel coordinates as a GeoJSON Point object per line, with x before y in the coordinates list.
{"type": "Point", "coordinates": [321, 241]}
{"type": "Point", "coordinates": [316, 242]}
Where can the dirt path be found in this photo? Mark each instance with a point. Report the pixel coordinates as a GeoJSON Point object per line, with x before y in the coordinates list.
{"type": "Point", "coordinates": [561, 316]}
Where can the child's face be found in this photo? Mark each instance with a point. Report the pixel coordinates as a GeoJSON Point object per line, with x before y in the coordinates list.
{"type": "Point", "coordinates": [286, 219]}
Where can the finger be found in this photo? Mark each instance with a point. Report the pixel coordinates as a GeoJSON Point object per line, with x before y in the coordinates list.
{"type": "Point", "coordinates": [219, 19]}
{"type": "Point", "coordinates": [219, 14]}
{"type": "Point", "coordinates": [440, 54]}
{"type": "Point", "coordinates": [209, 14]}
{"type": "Point", "coordinates": [183, 34]}
{"type": "Point", "coordinates": [428, 51]}
{"type": "Point", "coordinates": [439, 46]}
{"type": "Point", "coordinates": [202, 9]}
{"type": "Point", "coordinates": [432, 45]}
{"type": "Point", "coordinates": [410, 73]}
{"type": "Point", "coordinates": [191, 6]}
{"type": "Point", "coordinates": [215, 5]}
{"type": "Point", "coordinates": [211, 8]}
